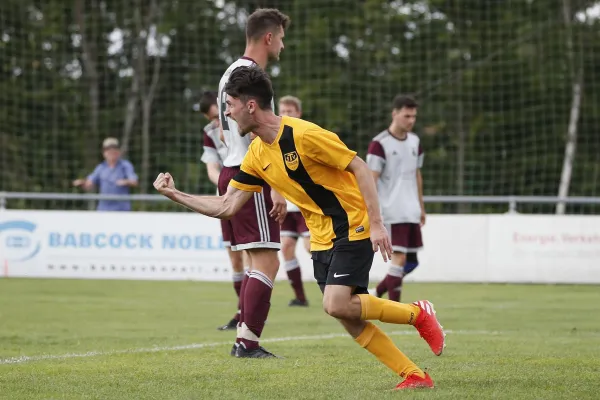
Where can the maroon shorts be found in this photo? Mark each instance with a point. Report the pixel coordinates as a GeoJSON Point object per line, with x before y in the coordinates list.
{"type": "Point", "coordinates": [294, 225]}
{"type": "Point", "coordinates": [251, 227]}
{"type": "Point", "coordinates": [406, 237]}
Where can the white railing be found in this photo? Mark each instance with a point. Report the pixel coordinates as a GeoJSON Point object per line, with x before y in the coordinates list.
{"type": "Point", "coordinates": [510, 201]}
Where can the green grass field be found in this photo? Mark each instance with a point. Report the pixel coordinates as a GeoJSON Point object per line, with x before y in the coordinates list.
{"type": "Point", "coordinates": [71, 339]}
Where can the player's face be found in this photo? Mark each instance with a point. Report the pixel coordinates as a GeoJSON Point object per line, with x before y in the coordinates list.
{"type": "Point", "coordinates": [289, 110]}
{"type": "Point", "coordinates": [405, 118]}
{"type": "Point", "coordinates": [275, 43]}
{"type": "Point", "coordinates": [240, 112]}
{"type": "Point", "coordinates": [213, 113]}
{"type": "Point", "coordinates": [111, 154]}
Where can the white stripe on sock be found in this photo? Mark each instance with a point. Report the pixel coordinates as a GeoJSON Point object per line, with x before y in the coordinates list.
{"type": "Point", "coordinates": [237, 276]}
{"type": "Point", "coordinates": [262, 277]}
{"type": "Point", "coordinates": [396, 270]}
{"type": "Point", "coordinates": [291, 265]}
{"type": "Point", "coordinates": [247, 334]}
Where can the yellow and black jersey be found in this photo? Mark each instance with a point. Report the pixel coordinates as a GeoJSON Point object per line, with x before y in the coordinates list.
{"type": "Point", "coordinates": [307, 165]}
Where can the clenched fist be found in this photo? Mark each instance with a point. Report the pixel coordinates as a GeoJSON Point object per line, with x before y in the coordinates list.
{"type": "Point", "coordinates": [165, 184]}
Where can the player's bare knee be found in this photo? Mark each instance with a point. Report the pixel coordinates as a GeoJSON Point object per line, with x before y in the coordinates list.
{"type": "Point", "coordinates": [306, 242]}
{"type": "Point", "coordinates": [288, 248]}
{"type": "Point", "coordinates": [237, 262]}
{"type": "Point", "coordinates": [399, 258]}
{"type": "Point", "coordinates": [265, 261]}
{"type": "Point", "coordinates": [334, 308]}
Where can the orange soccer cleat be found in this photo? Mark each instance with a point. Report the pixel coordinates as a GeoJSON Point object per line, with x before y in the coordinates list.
{"type": "Point", "coordinates": [415, 382]}
{"type": "Point", "coordinates": [429, 328]}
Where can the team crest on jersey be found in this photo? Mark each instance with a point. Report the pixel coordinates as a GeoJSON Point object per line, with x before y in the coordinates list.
{"type": "Point", "coordinates": [291, 160]}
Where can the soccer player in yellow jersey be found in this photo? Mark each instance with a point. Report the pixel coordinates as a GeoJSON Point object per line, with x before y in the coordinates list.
{"type": "Point", "coordinates": [336, 194]}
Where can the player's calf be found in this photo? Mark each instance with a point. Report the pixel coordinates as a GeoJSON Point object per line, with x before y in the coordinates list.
{"type": "Point", "coordinates": [257, 297]}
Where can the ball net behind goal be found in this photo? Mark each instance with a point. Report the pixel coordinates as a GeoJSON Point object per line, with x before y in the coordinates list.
{"type": "Point", "coordinates": [506, 88]}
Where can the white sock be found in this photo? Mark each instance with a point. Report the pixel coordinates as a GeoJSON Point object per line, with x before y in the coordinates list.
{"type": "Point", "coordinates": [396, 270]}
{"type": "Point", "coordinates": [291, 265]}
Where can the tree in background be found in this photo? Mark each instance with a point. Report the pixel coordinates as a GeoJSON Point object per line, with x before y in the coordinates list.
{"type": "Point", "coordinates": [498, 83]}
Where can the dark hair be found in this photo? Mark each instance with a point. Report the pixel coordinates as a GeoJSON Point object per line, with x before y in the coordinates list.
{"type": "Point", "coordinates": [402, 101]}
{"type": "Point", "coordinates": [251, 83]}
{"type": "Point", "coordinates": [264, 20]}
{"type": "Point", "coordinates": [207, 99]}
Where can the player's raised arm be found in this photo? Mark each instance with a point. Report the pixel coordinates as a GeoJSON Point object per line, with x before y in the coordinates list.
{"type": "Point", "coordinates": [222, 207]}
{"type": "Point", "coordinates": [366, 185]}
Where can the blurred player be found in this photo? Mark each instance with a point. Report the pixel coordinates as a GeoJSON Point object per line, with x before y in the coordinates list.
{"type": "Point", "coordinates": [335, 192]}
{"type": "Point", "coordinates": [253, 229]}
{"type": "Point", "coordinates": [293, 226]}
{"type": "Point", "coordinates": [213, 155]}
{"type": "Point", "coordinates": [395, 157]}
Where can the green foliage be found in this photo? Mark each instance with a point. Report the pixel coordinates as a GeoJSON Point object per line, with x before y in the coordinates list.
{"type": "Point", "coordinates": [494, 80]}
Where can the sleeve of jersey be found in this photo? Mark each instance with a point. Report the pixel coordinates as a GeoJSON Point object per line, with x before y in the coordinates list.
{"type": "Point", "coordinates": [327, 148]}
{"type": "Point", "coordinates": [209, 150]}
{"type": "Point", "coordinates": [247, 179]}
{"type": "Point", "coordinates": [376, 156]}
{"type": "Point", "coordinates": [421, 157]}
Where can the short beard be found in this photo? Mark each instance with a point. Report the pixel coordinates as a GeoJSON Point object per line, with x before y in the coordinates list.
{"type": "Point", "coordinates": [247, 131]}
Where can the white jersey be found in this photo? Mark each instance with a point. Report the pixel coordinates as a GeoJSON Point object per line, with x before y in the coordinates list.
{"type": "Point", "coordinates": [214, 150]}
{"type": "Point", "coordinates": [398, 162]}
{"type": "Point", "coordinates": [291, 207]}
{"type": "Point", "coordinates": [237, 146]}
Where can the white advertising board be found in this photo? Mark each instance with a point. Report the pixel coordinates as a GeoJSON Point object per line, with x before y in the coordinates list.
{"type": "Point", "coordinates": [188, 246]}
{"type": "Point", "coordinates": [544, 249]}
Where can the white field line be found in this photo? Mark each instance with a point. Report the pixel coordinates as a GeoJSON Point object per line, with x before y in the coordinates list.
{"type": "Point", "coordinates": [25, 359]}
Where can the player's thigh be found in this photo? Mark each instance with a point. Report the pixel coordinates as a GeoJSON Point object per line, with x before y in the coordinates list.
{"type": "Point", "coordinates": [306, 243]}
{"type": "Point", "coordinates": [246, 259]}
{"type": "Point", "coordinates": [351, 264]}
{"type": "Point", "coordinates": [303, 231]}
{"type": "Point", "coordinates": [237, 262]}
{"type": "Point", "coordinates": [288, 247]}
{"type": "Point", "coordinates": [265, 260]}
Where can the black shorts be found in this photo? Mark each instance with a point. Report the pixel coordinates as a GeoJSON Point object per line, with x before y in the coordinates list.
{"type": "Point", "coordinates": [346, 263]}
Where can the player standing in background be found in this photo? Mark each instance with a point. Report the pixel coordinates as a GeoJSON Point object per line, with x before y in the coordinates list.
{"type": "Point", "coordinates": [252, 228]}
{"type": "Point", "coordinates": [395, 157]}
{"type": "Point", "coordinates": [335, 191]}
{"type": "Point", "coordinates": [213, 155]}
{"type": "Point", "coordinates": [293, 225]}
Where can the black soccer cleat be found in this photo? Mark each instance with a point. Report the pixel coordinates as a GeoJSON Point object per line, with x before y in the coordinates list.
{"type": "Point", "coordinates": [260, 352]}
{"type": "Point", "coordinates": [233, 351]}
{"type": "Point", "coordinates": [298, 303]}
{"type": "Point", "coordinates": [229, 326]}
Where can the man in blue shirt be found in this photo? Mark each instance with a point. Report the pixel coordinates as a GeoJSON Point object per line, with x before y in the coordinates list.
{"type": "Point", "coordinates": [113, 176]}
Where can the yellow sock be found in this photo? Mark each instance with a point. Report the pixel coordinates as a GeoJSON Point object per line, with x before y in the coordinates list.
{"type": "Point", "coordinates": [381, 346]}
{"type": "Point", "coordinates": [387, 311]}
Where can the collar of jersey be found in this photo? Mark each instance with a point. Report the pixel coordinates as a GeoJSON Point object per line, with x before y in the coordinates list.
{"type": "Point", "coordinates": [276, 141]}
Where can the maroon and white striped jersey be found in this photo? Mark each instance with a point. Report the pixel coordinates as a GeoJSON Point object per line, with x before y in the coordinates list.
{"type": "Point", "coordinates": [397, 161]}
